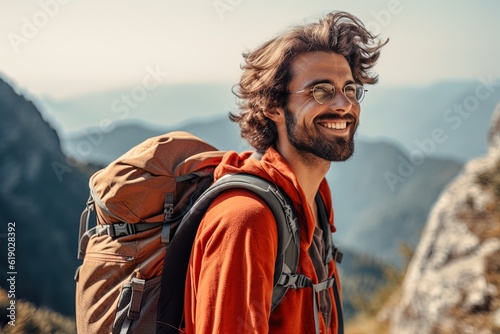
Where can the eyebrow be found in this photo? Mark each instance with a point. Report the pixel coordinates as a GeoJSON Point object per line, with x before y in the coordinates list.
{"type": "Point", "coordinates": [318, 81]}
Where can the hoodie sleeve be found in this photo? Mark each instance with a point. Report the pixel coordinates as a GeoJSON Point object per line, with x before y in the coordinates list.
{"type": "Point", "coordinates": [230, 275]}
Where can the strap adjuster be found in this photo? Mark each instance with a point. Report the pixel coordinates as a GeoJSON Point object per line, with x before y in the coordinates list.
{"type": "Point", "coordinates": [294, 281]}
{"type": "Point", "coordinates": [337, 255]}
{"type": "Point", "coordinates": [137, 286]}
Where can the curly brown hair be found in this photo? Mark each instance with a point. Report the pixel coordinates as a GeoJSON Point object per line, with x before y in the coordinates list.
{"type": "Point", "coordinates": [266, 70]}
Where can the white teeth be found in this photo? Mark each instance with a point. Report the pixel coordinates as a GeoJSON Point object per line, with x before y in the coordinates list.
{"type": "Point", "coordinates": [337, 126]}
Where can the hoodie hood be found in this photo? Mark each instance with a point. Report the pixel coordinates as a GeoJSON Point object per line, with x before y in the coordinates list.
{"type": "Point", "coordinates": [274, 168]}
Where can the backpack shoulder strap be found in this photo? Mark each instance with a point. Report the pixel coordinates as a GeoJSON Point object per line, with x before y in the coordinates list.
{"type": "Point", "coordinates": [332, 252]}
{"type": "Point", "coordinates": [286, 221]}
{"type": "Point", "coordinates": [179, 250]}
{"type": "Point", "coordinates": [282, 209]}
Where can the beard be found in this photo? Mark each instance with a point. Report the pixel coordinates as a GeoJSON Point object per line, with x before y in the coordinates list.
{"type": "Point", "coordinates": [311, 141]}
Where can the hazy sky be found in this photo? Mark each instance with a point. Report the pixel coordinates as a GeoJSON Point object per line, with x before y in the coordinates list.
{"type": "Point", "coordinates": [69, 47]}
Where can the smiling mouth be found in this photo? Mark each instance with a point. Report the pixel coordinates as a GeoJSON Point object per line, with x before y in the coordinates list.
{"type": "Point", "coordinates": [334, 125]}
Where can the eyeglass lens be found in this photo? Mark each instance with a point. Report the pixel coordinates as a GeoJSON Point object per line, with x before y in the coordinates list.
{"type": "Point", "coordinates": [323, 93]}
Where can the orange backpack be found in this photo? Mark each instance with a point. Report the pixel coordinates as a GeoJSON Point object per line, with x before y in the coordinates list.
{"type": "Point", "coordinates": [157, 190]}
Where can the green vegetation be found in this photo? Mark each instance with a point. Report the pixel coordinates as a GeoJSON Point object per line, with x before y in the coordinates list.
{"type": "Point", "coordinates": [368, 303]}
{"type": "Point", "coordinates": [371, 304]}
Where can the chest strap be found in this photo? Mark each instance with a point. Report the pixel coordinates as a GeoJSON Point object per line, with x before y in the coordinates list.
{"type": "Point", "coordinates": [300, 281]}
{"type": "Point", "coordinates": [124, 229]}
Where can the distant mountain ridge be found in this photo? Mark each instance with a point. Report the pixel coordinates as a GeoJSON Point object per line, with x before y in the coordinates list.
{"type": "Point", "coordinates": [97, 146]}
{"type": "Point", "coordinates": [372, 215]}
{"type": "Point", "coordinates": [165, 104]}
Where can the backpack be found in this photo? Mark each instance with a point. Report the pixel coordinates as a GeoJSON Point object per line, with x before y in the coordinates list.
{"type": "Point", "coordinates": [148, 205]}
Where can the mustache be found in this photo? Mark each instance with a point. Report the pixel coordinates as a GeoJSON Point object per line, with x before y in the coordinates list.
{"type": "Point", "coordinates": [336, 117]}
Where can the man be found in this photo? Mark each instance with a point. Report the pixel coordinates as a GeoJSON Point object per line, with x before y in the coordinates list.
{"type": "Point", "coordinates": [300, 95]}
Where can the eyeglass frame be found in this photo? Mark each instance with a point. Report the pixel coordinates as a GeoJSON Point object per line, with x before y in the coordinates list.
{"type": "Point", "coordinates": [311, 90]}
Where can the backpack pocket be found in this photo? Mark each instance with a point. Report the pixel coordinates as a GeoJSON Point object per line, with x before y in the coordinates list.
{"type": "Point", "coordinates": [108, 266]}
{"type": "Point", "coordinates": [137, 304]}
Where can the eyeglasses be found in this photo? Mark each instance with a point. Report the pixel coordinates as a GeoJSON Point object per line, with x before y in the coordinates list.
{"type": "Point", "coordinates": [324, 92]}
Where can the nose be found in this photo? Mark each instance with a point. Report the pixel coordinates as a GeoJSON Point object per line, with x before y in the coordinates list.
{"type": "Point", "coordinates": [340, 103]}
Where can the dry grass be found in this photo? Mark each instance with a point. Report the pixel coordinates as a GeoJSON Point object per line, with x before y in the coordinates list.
{"type": "Point", "coordinates": [30, 319]}
{"type": "Point", "coordinates": [365, 324]}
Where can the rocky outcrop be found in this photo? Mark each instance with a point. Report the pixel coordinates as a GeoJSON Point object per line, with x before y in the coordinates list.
{"type": "Point", "coordinates": [41, 196]}
{"type": "Point", "coordinates": [452, 284]}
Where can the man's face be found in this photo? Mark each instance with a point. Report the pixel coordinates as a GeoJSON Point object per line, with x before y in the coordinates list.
{"type": "Point", "coordinates": [324, 130]}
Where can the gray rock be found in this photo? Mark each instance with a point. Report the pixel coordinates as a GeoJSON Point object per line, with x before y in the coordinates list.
{"type": "Point", "coordinates": [447, 271]}
{"type": "Point", "coordinates": [496, 318]}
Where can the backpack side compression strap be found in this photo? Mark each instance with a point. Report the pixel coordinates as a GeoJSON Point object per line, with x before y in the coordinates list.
{"type": "Point", "coordinates": [170, 306]}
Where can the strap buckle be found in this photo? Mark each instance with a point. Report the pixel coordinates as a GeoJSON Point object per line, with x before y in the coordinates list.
{"type": "Point", "coordinates": [120, 229]}
{"type": "Point", "coordinates": [116, 230]}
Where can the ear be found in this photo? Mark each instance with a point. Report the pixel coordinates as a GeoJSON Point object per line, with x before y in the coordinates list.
{"type": "Point", "coordinates": [275, 114]}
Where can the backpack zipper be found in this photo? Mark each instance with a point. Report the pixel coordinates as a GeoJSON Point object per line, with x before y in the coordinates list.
{"type": "Point", "coordinates": [109, 257]}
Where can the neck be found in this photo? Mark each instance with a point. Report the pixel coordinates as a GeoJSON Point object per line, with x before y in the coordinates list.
{"type": "Point", "coordinates": [309, 169]}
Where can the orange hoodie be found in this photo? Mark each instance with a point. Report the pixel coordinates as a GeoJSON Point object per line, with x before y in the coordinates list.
{"type": "Point", "coordinates": [229, 282]}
